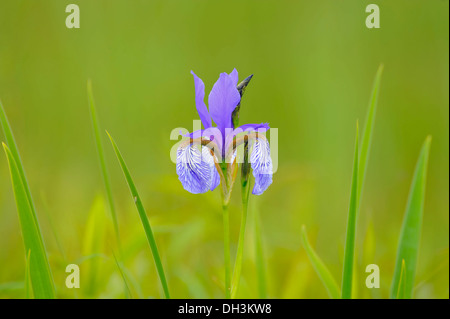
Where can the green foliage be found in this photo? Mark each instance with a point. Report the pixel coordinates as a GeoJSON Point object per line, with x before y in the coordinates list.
{"type": "Point", "coordinates": [144, 219]}
{"type": "Point", "coordinates": [408, 246]}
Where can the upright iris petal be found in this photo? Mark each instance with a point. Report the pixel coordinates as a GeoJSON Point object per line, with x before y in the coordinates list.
{"type": "Point", "coordinates": [223, 99]}
{"type": "Point", "coordinates": [199, 101]}
{"type": "Point", "coordinates": [262, 166]}
{"type": "Point", "coordinates": [196, 171]}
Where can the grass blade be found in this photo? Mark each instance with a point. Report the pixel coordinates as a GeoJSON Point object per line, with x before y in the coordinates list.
{"type": "Point", "coordinates": [408, 246]}
{"type": "Point", "coordinates": [144, 219]}
{"type": "Point", "coordinates": [40, 274]}
{"type": "Point", "coordinates": [368, 132]}
{"type": "Point", "coordinates": [322, 271]}
{"type": "Point", "coordinates": [101, 157]}
{"type": "Point", "coordinates": [119, 265]}
{"type": "Point", "coordinates": [28, 283]}
{"type": "Point", "coordinates": [260, 265]}
{"type": "Point", "coordinates": [349, 252]}
{"type": "Point", "coordinates": [401, 291]}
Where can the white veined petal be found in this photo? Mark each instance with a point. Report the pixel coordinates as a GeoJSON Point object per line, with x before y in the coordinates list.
{"type": "Point", "coordinates": [261, 165]}
{"type": "Point", "coordinates": [196, 170]}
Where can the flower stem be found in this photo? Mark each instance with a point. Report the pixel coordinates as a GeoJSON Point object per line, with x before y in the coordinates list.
{"type": "Point", "coordinates": [240, 249]}
{"type": "Point", "coordinates": [226, 243]}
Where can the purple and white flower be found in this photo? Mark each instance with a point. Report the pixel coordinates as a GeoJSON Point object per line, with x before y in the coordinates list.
{"type": "Point", "coordinates": [199, 158]}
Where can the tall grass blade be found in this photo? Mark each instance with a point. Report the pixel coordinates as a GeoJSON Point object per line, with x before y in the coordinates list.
{"type": "Point", "coordinates": [144, 219]}
{"type": "Point", "coordinates": [122, 274]}
{"type": "Point", "coordinates": [368, 132]}
{"type": "Point", "coordinates": [101, 157]}
{"type": "Point", "coordinates": [322, 271]}
{"type": "Point", "coordinates": [401, 291]}
{"type": "Point", "coordinates": [260, 265]}
{"type": "Point", "coordinates": [28, 284]}
{"type": "Point", "coordinates": [40, 274]}
{"type": "Point", "coordinates": [408, 246]}
{"type": "Point", "coordinates": [349, 252]}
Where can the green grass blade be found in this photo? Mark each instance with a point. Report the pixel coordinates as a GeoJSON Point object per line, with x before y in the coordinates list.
{"type": "Point", "coordinates": [144, 219]}
{"type": "Point", "coordinates": [322, 271]}
{"type": "Point", "coordinates": [408, 246]}
{"type": "Point", "coordinates": [41, 277]}
{"type": "Point", "coordinates": [10, 141]}
{"type": "Point", "coordinates": [401, 291]}
{"type": "Point", "coordinates": [101, 157]}
{"type": "Point", "coordinates": [349, 252]}
{"type": "Point", "coordinates": [28, 283]}
{"type": "Point", "coordinates": [260, 264]}
{"type": "Point", "coordinates": [368, 132]}
{"type": "Point", "coordinates": [128, 293]}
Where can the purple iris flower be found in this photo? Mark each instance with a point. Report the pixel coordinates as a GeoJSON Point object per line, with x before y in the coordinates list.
{"type": "Point", "coordinates": [199, 158]}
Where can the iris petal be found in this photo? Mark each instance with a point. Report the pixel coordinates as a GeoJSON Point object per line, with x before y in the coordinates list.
{"type": "Point", "coordinates": [222, 101]}
{"type": "Point", "coordinates": [199, 101]}
{"type": "Point", "coordinates": [196, 170]}
{"type": "Point", "coordinates": [262, 166]}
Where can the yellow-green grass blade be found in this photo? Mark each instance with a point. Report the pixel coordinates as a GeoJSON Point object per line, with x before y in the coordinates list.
{"type": "Point", "coordinates": [144, 219]}
{"type": "Point", "coordinates": [11, 142]}
{"type": "Point", "coordinates": [28, 283]}
{"type": "Point", "coordinates": [408, 246]}
{"type": "Point", "coordinates": [260, 263]}
{"type": "Point", "coordinates": [367, 133]}
{"type": "Point", "coordinates": [119, 265]}
{"type": "Point", "coordinates": [101, 157]}
{"type": "Point", "coordinates": [40, 274]}
{"type": "Point", "coordinates": [401, 291]}
{"type": "Point", "coordinates": [349, 252]}
{"type": "Point", "coordinates": [322, 271]}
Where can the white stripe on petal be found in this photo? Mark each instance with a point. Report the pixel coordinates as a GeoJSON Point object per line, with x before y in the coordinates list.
{"type": "Point", "coordinates": [196, 171]}
{"type": "Point", "coordinates": [261, 165]}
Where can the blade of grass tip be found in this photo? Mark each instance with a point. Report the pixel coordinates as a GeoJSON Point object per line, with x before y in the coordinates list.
{"type": "Point", "coordinates": [408, 246]}
{"type": "Point", "coordinates": [260, 266]}
{"type": "Point", "coordinates": [28, 284]}
{"type": "Point", "coordinates": [101, 157]}
{"type": "Point", "coordinates": [322, 271]}
{"type": "Point", "coordinates": [402, 282]}
{"type": "Point", "coordinates": [40, 274]}
{"type": "Point", "coordinates": [349, 252]}
{"type": "Point", "coordinates": [368, 131]}
{"type": "Point", "coordinates": [127, 288]}
{"type": "Point", "coordinates": [143, 216]}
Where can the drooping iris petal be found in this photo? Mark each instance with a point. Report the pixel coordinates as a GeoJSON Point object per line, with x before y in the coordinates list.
{"type": "Point", "coordinates": [262, 166]}
{"type": "Point", "coordinates": [199, 101]}
{"type": "Point", "coordinates": [234, 76]}
{"type": "Point", "coordinates": [208, 157]}
{"type": "Point", "coordinates": [196, 170]}
{"type": "Point", "coordinates": [222, 101]}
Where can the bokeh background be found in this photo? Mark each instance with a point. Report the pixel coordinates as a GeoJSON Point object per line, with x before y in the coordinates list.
{"type": "Point", "coordinates": [313, 63]}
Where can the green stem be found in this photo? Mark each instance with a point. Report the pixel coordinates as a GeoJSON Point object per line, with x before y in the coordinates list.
{"type": "Point", "coordinates": [226, 243]}
{"type": "Point", "coordinates": [240, 249]}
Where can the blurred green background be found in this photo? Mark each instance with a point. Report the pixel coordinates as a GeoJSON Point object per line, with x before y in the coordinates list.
{"type": "Point", "coordinates": [313, 63]}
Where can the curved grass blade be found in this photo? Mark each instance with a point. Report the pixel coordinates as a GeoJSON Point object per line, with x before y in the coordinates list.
{"type": "Point", "coordinates": [28, 284]}
{"type": "Point", "coordinates": [40, 274]}
{"type": "Point", "coordinates": [401, 291]}
{"type": "Point", "coordinates": [368, 132]}
{"type": "Point", "coordinates": [144, 219]}
{"type": "Point", "coordinates": [10, 141]}
{"type": "Point", "coordinates": [349, 252]}
{"type": "Point", "coordinates": [408, 246]}
{"type": "Point", "coordinates": [101, 157]}
{"type": "Point", "coordinates": [322, 271]}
